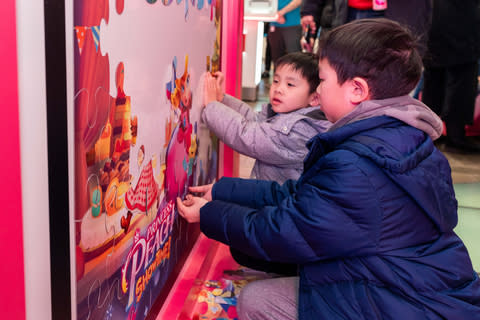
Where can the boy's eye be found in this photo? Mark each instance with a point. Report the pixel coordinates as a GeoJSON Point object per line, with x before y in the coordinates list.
{"type": "Point", "coordinates": [290, 85]}
{"type": "Point", "coordinates": [275, 80]}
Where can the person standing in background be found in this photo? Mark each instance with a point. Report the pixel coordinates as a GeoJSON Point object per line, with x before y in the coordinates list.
{"type": "Point", "coordinates": [361, 9]}
{"type": "Point", "coordinates": [285, 33]}
{"type": "Point", "coordinates": [415, 14]}
{"type": "Point", "coordinates": [333, 13]}
{"type": "Point", "coordinates": [268, 54]}
{"type": "Point", "coordinates": [326, 14]}
{"type": "Point", "coordinates": [451, 68]}
{"type": "Point", "coordinates": [329, 14]}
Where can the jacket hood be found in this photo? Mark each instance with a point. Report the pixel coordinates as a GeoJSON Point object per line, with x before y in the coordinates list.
{"type": "Point", "coordinates": [406, 155]}
{"type": "Point", "coordinates": [403, 108]}
{"type": "Point", "coordinates": [314, 116]}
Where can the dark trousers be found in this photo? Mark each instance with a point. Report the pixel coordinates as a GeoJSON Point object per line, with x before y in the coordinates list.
{"type": "Point", "coordinates": [450, 92]}
{"type": "Point", "coordinates": [284, 269]}
{"type": "Point", "coordinates": [284, 40]}
{"type": "Point", "coordinates": [355, 14]}
{"type": "Point", "coordinates": [268, 57]}
{"type": "Point", "coordinates": [268, 51]}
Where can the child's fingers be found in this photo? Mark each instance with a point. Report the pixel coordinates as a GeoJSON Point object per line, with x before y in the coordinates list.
{"type": "Point", "coordinates": [220, 77]}
{"type": "Point", "coordinates": [180, 207]}
{"type": "Point", "coordinates": [209, 93]}
{"type": "Point", "coordinates": [208, 79]}
{"type": "Point", "coordinates": [200, 189]}
{"type": "Point", "coordinates": [191, 214]}
{"type": "Point", "coordinates": [189, 201]}
{"type": "Point", "coordinates": [205, 191]}
{"type": "Point", "coordinates": [210, 84]}
{"type": "Point", "coordinates": [196, 189]}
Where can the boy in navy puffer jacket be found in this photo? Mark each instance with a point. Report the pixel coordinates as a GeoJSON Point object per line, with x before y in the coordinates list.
{"type": "Point", "coordinates": [370, 221]}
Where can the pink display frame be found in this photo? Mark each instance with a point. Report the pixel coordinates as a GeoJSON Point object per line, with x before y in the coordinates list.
{"type": "Point", "coordinates": [11, 236]}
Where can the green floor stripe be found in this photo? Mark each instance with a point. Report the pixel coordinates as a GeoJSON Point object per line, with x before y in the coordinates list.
{"type": "Point", "coordinates": [468, 229]}
{"type": "Point", "coordinates": [468, 195]}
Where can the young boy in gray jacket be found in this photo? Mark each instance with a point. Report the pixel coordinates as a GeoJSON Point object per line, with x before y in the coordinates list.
{"type": "Point", "coordinates": [275, 137]}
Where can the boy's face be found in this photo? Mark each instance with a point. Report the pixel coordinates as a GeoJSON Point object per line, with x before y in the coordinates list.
{"type": "Point", "coordinates": [334, 98]}
{"type": "Point", "coordinates": [289, 90]}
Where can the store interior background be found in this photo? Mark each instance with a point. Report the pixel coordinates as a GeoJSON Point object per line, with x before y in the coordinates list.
{"type": "Point", "coordinates": [465, 167]}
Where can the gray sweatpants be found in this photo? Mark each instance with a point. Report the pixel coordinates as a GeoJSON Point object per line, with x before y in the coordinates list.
{"type": "Point", "coordinates": [271, 299]}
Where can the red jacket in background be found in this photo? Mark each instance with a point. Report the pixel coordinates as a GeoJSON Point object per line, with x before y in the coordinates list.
{"type": "Point", "coordinates": [360, 4]}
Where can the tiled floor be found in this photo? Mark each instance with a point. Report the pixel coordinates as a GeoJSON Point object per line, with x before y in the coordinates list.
{"type": "Point", "coordinates": [466, 179]}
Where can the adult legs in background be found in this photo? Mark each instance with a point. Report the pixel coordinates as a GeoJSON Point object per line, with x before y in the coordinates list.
{"type": "Point", "coordinates": [355, 14]}
{"type": "Point", "coordinates": [284, 40]}
{"type": "Point", "coordinates": [450, 92]}
{"type": "Point", "coordinates": [268, 58]}
{"type": "Point", "coordinates": [434, 89]}
{"type": "Point", "coordinates": [271, 299]}
{"type": "Point", "coordinates": [292, 36]}
{"type": "Point", "coordinates": [460, 98]}
{"type": "Point", "coordinates": [268, 53]}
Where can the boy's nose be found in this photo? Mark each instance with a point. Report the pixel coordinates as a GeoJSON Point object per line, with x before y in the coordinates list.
{"type": "Point", "coordinates": [278, 89]}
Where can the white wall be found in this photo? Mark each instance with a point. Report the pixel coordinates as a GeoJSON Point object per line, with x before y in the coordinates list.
{"type": "Point", "coordinates": [33, 148]}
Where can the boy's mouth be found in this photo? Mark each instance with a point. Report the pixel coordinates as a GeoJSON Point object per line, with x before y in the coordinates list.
{"type": "Point", "coordinates": [276, 101]}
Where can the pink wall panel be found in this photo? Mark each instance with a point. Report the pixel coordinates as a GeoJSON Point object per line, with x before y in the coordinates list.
{"type": "Point", "coordinates": [12, 296]}
{"type": "Point", "coordinates": [232, 48]}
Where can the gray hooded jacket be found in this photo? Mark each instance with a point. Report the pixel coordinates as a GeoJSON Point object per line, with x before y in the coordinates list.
{"type": "Point", "coordinates": [277, 142]}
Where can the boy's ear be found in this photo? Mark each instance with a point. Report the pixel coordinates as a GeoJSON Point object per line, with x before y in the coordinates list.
{"type": "Point", "coordinates": [360, 91]}
{"type": "Point", "coordinates": [314, 99]}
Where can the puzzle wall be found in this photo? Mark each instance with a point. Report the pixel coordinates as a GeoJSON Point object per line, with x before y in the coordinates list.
{"type": "Point", "coordinates": [139, 144]}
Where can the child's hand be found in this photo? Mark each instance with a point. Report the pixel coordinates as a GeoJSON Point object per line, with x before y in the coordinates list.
{"type": "Point", "coordinates": [206, 190]}
{"type": "Point", "coordinates": [210, 89]}
{"type": "Point", "coordinates": [308, 21]}
{"type": "Point", "coordinates": [191, 210]}
{"type": "Point", "coordinates": [189, 201]}
{"type": "Point", "coordinates": [220, 85]}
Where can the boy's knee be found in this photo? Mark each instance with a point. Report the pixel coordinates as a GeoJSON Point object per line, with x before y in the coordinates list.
{"type": "Point", "coordinates": [243, 302]}
{"type": "Point", "coordinates": [251, 302]}
{"type": "Point", "coordinates": [271, 299]}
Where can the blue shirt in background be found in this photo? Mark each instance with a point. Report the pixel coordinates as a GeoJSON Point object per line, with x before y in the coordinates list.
{"type": "Point", "coordinates": [292, 18]}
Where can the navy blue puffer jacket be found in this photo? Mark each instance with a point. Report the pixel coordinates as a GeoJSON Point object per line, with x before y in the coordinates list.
{"type": "Point", "coordinates": [370, 222]}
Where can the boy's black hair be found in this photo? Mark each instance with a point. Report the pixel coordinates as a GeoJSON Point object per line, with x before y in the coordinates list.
{"type": "Point", "coordinates": [379, 50]}
{"type": "Point", "coordinates": [304, 62]}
